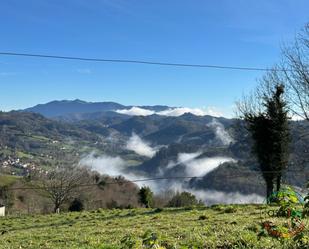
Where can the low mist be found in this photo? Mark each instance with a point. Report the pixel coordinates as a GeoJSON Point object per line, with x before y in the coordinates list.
{"type": "Point", "coordinates": [194, 166]}
{"type": "Point", "coordinates": [210, 197]}
{"type": "Point", "coordinates": [139, 146]}
{"type": "Point", "coordinates": [107, 165]}
{"type": "Point", "coordinates": [173, 112]}
{"type": "Point", "coordinates": [201, 167]}
{"type": "Point", "coordinates": [221, 134]}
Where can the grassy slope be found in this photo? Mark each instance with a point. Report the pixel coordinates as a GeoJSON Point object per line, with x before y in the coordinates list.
{"type": "Point", "coordinates": [177, 228]}
{"type": "Point", "coordinates": [6, 180]}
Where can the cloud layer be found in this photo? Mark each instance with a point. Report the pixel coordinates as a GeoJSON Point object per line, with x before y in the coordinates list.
{"type": "Point", "coordinates": [198, 167]}
{"type": "Point", "coordinates": [210, 197]}
{"type": "Point", "coordinates": [113, 166]}
{"type": "Point", "coordinates": [139, 146]}
{"type": "Point", "coordinates": [221, 134]}
{"type": "Point", "coordinates": [201, 167]}
{"type": "Point", "coordinates": [136, 111]}
{"type": "Point", "coordinates": [217, 197]}
{"type": "Point", "coordinates": [174, 112]}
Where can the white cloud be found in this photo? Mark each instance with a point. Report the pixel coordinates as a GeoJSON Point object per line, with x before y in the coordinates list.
{"type": "Point", "coordinates": [136, 111]}
{"type": "Point", "coordinates": [184, 157]}
{"type": "Point", "coordinates": [210, 197]}
{"type": "Point", "coordinates": [115, 166]}
{"type": "Point", "coordinates": [174, 112]}
{"type": "Point", "coordinates": [215, 112]}
{"type": "Point", "coordinates": [178, 111]}
{"type": "Point", "coordinates": [221, 134]}
{"type": "Point", "coordinates": [140, 147]}
{"type": "Point", "coordinates": [108, 165]}
{"type": "Point", "coordinates": [104, 164]}
{"type": "Point", "coordinates": [198, 167]}
{"type": "Point", "coordinates": [201, 167]}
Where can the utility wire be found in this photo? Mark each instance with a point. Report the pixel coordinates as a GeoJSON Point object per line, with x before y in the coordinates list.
{"type": "Point", "coordinates": [143, 180]}
{"type": "Point", "coordinates": [113, 182]}
{"type": "Point", "coordinates": [48, 56]}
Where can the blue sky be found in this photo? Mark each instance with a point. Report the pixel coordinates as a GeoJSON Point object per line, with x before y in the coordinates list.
{"type": "Point", "coordinates": [223, 32]}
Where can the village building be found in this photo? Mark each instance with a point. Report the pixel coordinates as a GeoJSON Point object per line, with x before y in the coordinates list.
{"type": "Point", "coordinates": [2, 210]}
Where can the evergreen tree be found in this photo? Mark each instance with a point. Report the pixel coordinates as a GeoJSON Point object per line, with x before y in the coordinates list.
{"type": "Point", "coordinates": [280, 135]}
{"type": "Point", "coordinates": [146, 197]}
{"type": "Point", "coordinates": [183, 199]}
{"type": "Point", "coordinates": [270, 133]}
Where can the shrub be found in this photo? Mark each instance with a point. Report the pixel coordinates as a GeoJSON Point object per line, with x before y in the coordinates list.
{"type": "Point", "coordinates": [203, 217]}
{"type": "Point", "coordinates": [130, 242]}
{"type": "Point", "coordinates": [149, 240]}
{"type": "Point", "coordinates": [183, 199]}
{"type": "Point", "coordinates": [112, 204]}
{"type": "Point", "coordinates": [230, 210]}
{"type": "Point", "coordinates": [146, 196]}
{"type": "Point", "coordinates": [76, 205]}
{"type": "Point", "coordinates": [158, 210]}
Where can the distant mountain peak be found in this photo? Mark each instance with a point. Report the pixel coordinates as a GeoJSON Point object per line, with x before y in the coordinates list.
{"type": "Point", "coordinates": [64, 107]}
{"type": "Point", "coordinates": [79, 101]}
{"type": "Point", "coordinates": [79, 110]}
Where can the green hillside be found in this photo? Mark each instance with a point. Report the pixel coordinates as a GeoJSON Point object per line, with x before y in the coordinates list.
{"type": "Point", "coordinates": [213, 227]}
{"type": "Point", "coordinates": [28, 138]}
{"type": "Point", "coordinates": [7, 180]}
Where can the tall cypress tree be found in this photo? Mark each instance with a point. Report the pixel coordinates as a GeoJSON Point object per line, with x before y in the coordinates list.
{"type": "Point", "coordinates": [280, 135]}
{"type": "Point", "coordinates": [271, 136]}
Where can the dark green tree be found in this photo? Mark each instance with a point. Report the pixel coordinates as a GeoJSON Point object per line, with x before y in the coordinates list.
{"type": "Point", "coordinates": [268, 126]}
{"type": "Point", "coordinates": [6, 197]}
{"type": "Point", "coordinates": [146, 196]}
{"type": "Point", "coordinates": [183, 199]}
{"type": "Point", "coordinates": [76, 205]}
{"type": "Point", "coordinates": [277, 114]}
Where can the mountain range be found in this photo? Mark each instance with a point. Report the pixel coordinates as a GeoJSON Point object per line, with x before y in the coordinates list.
{"type": "Point", "coordinates": [144, 141]}
{"type": "Point", "coordinates": [79, 109]}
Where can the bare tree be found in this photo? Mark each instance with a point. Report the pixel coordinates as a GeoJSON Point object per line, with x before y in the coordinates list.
{"type": "Point", "coordinates": [64, 183]}
{"type": "Point", "coordinates": [293, 72]}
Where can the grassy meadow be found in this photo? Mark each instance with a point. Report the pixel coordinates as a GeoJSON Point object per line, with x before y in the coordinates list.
{"type": "Point", "coordinates": [220, 226]}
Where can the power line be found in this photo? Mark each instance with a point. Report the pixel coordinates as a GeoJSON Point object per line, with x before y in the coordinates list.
{"type": "Point", "coordinates": [120, 182]}
{"type": "Point", "coordinates": [147, 180]}
{"type": "Point", "coordinates": [114, 182]}
{"type": "Point", "coordinates": [48, 56]}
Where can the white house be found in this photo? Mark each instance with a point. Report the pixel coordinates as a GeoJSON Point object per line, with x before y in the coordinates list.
{"type": "Point", "coordinates": [2, 210]}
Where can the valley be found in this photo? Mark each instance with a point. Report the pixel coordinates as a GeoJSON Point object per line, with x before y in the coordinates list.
{"type": "Point", "coordinates": [208, 149]}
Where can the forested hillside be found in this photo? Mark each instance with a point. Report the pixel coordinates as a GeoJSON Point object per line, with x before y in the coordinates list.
{"type": "Point", "coordinates": [179, 146]}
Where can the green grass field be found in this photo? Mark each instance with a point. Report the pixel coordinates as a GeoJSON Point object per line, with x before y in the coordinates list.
{"type": "Point", "coordinates": [222, 227]}
{"type": "Point", "coordinates": [7, 180]}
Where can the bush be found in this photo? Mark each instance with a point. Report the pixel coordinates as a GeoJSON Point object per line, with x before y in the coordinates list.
{"type": "Point", "coordinates": [203, 217]}
{"type": "Point", "coordinates": [158, 210]}
{"type": "Point", "coordinates": [230, 210]}
{"type": "Point", "coordinates": [183, 199]}
{"type": "Point", "coordinates": [146, 197]}
{"type": "Point", "coordinates": [76, 205]}
{"type": "Point", "coordinates": [6, 197]}
{"type": "Point", "coordinates": [112, 204]}
{"type": "Point", "coordinates": [130, 242]}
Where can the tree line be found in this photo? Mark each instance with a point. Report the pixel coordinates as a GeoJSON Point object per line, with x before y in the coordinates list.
{"type": "Point", "coordinates": [77, 188]}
